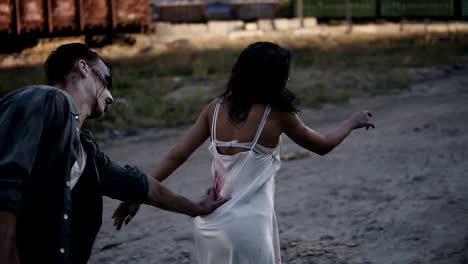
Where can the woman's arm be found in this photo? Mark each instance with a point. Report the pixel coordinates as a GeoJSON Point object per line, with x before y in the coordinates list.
{"type": "Point", "coordinates": [199, 132]}
{"type": "Point", "coordinates": [307, 138]}
{"type": "Point", "coordinates": [195, 137]}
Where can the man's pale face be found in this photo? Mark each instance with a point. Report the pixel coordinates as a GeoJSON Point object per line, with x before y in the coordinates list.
{"type": "Point", "coordinates": [102, 84]}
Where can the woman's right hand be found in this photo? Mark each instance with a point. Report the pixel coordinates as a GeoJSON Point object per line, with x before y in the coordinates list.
{"type": "Point", "coordinates": [362, 119]}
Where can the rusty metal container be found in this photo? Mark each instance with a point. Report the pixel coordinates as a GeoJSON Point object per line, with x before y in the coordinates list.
{"type": "Point", "coordinates": [180, 11]}
{"type": "Point", "coordinates": [31, 16]}
{"type": "Point", "coordinates": [254, 9]}
{"type": "Point", "coordinates": [131, 13]}
{"type": "Point", "coordinates": [6, 16]}
{"type": "Point", "coordinates": [49, 18]}
{"type": "Point", "coordinates": [95, 14]}
{"type": "Point", "coordinates": [63, 15]}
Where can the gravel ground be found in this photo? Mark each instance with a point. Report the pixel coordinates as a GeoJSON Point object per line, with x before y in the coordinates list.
{"type": "Point", "coordinates": [396, 194]}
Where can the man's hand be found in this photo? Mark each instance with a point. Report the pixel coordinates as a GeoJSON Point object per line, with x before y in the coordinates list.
{"type": "Point", "coordinates": [127, 210]}
{"type": "Point", "coordinates": [162, 197]}
{"type": "Point", "coordinates": [124, 213]}
{"type": "Point", "coordinates": [208, 204]}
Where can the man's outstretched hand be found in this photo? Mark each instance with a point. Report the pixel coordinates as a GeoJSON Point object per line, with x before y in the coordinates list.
{"type": "Point", "coordinates": [209, 203]}
{"type": "Point", "coordinates": [127, 210]}
{"type": "Point", "coordinates": [124, 213]}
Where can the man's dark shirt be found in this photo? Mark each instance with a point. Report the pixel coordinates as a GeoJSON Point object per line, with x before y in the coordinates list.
{"type": "Point", "coordinates": [39, 136]}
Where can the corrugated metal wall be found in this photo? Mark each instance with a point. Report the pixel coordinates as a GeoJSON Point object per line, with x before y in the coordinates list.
{"type": "Point", "coordinates": [465, 8]}
{"type": "Point", "coordinates": [417, 8]}
{"type": "Point", "coordinates": [193, 11]}
{"type": "Point", "coordinates": [181, 13]}
{"type": "Point", "coordinates": [31, 13]}
{"type": "Point", "coordinates": [6, 16]}
{"type": "Point", "coordinates": [64, 15]}
{"type": "Point", "coordinates": [95, 14]}
{"type": "Point", "coordinates": [337, 8]}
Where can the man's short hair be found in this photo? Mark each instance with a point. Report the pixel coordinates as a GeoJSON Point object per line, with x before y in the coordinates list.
{"type": "Point", "coordinates": [61, 61]}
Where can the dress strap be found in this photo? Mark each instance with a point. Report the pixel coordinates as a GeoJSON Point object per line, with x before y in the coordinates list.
{"type": "Point", "coordinates": [215, 121]}
{"type": "Point", "coordinates": [261, 126]}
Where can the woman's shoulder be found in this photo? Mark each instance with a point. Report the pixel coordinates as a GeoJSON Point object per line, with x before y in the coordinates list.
{"type": "Point", "coordinates": [282, 116]}
{"type": "Point", "coordinates": [210, 107]}
{"type": "Point", "coordinates": [208, 111]}
{"type": "Point", "coordinates": [213, 103]}
{"type": "Point", "coordinates": [284, 120]}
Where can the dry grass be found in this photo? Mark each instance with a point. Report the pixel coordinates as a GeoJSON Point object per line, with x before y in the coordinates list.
{"type": "Point", "coordinates": [170, 89]}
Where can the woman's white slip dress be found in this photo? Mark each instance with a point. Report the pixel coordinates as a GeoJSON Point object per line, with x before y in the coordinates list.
{"type": "Point", "coordinates": [243, 230]}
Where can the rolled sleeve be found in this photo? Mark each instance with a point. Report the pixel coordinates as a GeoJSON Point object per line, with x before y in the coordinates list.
{"type": "Point", "coordinates": [122, 183]}
{"type": "Point", "coordinates": [10, 195]}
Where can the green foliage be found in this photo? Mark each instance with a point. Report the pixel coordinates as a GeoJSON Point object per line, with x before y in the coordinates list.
{"type": "Point", "coordinates": [12, 79]}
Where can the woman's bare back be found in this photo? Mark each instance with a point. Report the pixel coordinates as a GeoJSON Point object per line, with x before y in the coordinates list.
{"type": "Point", "coordinates": [226, 130]}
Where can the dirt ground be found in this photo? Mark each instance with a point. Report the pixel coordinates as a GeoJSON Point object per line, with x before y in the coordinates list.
{"type": "Point", "coordinates": [396, 194]}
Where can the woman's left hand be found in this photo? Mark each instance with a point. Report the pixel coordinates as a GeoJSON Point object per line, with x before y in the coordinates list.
{"type": "Point", "coordinates": [362, 119]}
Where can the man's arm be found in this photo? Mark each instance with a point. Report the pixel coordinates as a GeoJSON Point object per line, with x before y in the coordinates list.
{"type": "Point", "coordinates": [8, 253]}
{"type": "Point", "coordinates": [185, 147]}
{"type": "Point", "coordinates": [130, 184]}
{"type": "Point", "coordinates": [162, 197]}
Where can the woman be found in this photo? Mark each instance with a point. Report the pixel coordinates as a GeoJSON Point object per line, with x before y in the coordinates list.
{"type": "Point", "coordinates": [245, 125]}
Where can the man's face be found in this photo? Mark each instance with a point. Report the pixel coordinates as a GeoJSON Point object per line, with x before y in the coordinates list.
{"type": "Point", "coordinates": [102, 84]}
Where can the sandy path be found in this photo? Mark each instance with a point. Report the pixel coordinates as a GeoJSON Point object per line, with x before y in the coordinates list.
{"type": "Point", "coordinates": [397, 194]}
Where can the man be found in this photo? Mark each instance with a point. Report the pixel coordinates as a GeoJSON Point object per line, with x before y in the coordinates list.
{"type": "Point", "coordinates": [52, 173]}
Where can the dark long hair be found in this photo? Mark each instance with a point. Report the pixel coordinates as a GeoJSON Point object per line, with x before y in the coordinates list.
{"type": "Point", "coordinates": [259, 77]}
